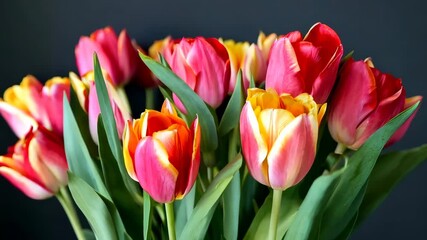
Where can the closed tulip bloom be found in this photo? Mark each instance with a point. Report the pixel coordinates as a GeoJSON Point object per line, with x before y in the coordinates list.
{"type": "Point", "coordinates": [31, 104]}
{"type": "Point", "coordinates": [279, 136]}
{"type": "Point", "coordinates": [265, 42]}
{"type": "Point", "coordinates": [36, 164]}
{"type": "Point", "coordinates": [310, 64]}
{"type": "Point", "coordinates": [118, 56]}
{"type": "Point", "coordinates": [236, 52]}
{"type": "Point", "coordinates": [88, 98]}
{"type": "Point", "coordinates": [364, 100]}
{"type": "Point", "coordinates": [203, 64]}
{"type": "Point", "coordinates": [162, 153]}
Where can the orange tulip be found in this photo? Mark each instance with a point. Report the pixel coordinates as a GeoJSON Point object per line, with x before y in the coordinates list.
{"type": "Point", "coordinates": [279, 136]}
{"type": "Point", "coordinates": [162, 153]}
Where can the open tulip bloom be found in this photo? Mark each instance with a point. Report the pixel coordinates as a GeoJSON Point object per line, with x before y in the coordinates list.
{"type": "Point", "coordinates": [300, 158]}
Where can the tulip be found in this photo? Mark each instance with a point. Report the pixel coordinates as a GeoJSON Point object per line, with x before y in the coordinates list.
{"type": "Point", "coordinates": [31, 104]}
{"type": "Point", "coordinates": [310, 65]}
{"type": "Point", "coordinates": [203, 64]}
{"type": "Point", "coordinates": [36, 164]}
{"type": "Point", "coordinates": [118, 56]}
{"type": "Point", "coordinates": [88, 98]}
{"type": "Point", "coordinates": [264, 43]}
{"type": "Point", "coordinates": [364, 100]}
{"type": "Point", "coordinates": [279, 136]}
{"type": "Point", "coordinates": [248, 58]}
{"type": "Point", "coordinates": [162, 153]}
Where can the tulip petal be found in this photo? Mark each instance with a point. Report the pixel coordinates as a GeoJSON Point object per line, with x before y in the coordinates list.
{"type": "Point", "coordinates": [53, 94]}
{"type": "Point", "coordinates": [155, 173]}
{"type": "Point", "coordinates": [28, 187]}
{"type": "Point", "coordinates": [195, 157]}
{"type": "Point", "coordinates": [127, 56]}
{"type": "Point", "coordinates": [292, 155]}
{"type": "Point", "coordinates": [130, 142]}
{"type": "Point", "coordinates": [283, 69]}
{"type": "Point", "coordinates": [19, 121]}
{"type": "Point", "coordinates": [253, 145]}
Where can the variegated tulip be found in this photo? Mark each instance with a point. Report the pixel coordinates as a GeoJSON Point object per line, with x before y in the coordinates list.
{"type": "Point", "coordinates": [364, 100]}
{"type": "Point", "coordinates": [310, 64]}
{"type": "Point", "coordinates": [118, 56]}
{"type": "Point", "coordinates": [31, 104]}
{"type": "Point", "coordinates": [279, 136]}
{"type": "Point", "coordinates": [265, 42]}
{"type": "Point", "coordinates": [203, 64]}
{"type": "Point", "coordinates": [162, 153]}
{"type": "Point", "coordinates": [36, 164]}
{"type": "Point", "coordinates": [88, 98]}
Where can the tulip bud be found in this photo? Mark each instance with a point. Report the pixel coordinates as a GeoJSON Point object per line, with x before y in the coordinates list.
{"type": "Point", "coordinates": [203, 64]}
{"type": "Point", "coordinates": [31, 104]}
{"type": "Point", "coordinates": [308, 65]}
{"type": "Point", "coordinates": [265, 42]}
{"type": "Point", "coordinates": [162, 153]}
{"type": "Point", "coordinates": [364, 100]}
{"type": "Point", "coordinates": [36, 164]}
{"type": "Point", "coordinates": [279, 136]}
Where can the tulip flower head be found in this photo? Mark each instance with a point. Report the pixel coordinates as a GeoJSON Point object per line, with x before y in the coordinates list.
{"type": "Point", "coordinates": [365, 99]}
{"type": "Point", "coordinates": [31, 104]}
{"type": "Point", "coordinates": [279, 136]}
{"type": "Point", "coordinates": [118, 56]}
{"type": "Point", "coordinates": [203, 63]}
{"type": "Point", "coordinates": [310, 64]}
{"type": "Point", "coordinates": [162, 153]}
{"type": "Point", "coordinates": [36, 164]}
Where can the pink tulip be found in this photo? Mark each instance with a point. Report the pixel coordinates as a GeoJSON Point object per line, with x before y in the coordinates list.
{"type": "Point", "coordinates": [310, 65]}
{"type": "Point", "coordinates": [203, 64]}
{"type": "Point", "coordinates": [364, 100]}
{"type": "Point", "coordinates": [279, 136]}
{"type": "Point", "coordinates": [118, 56]}
{"type": "Point", "coordinates": [36, 164]}
{"type": "Point", "coordinates": [162, 153]}
{"type": "Point", "coordinates": [31, 104]}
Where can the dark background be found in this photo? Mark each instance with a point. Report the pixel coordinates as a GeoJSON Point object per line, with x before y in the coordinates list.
{"type": "Point", "coordinates": [38, 37]}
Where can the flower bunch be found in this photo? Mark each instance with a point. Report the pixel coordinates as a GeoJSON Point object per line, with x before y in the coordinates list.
{"type": "Point", "coordinates": [253, 140]}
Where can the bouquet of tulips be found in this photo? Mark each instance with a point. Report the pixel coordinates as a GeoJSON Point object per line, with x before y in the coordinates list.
{"type": "Point", "coordinates": [282, 138]}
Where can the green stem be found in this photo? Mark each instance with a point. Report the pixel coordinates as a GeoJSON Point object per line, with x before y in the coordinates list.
{"type": "Point", "coordinates": [149, 98]}
{"type": "Point", "coordinates": [275, 209]}
{"type": "Point", "coordinates": [209, 173]}
{"type": "Point", "coordinates": [170, 218]}
{"type": "Point", "coordinates": [340, 149]}
{"type": "Point", "coordinates": [67, 204]}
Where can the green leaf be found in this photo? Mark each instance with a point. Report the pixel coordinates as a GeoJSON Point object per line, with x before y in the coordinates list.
{"type": "Point", "coordinates": [183, 209]}
{"type": "Point", "coordinates": [230, 119]}
{"type": "Point", "coordinates": [88, 234]}
{"type": "Point", "coordinates": [261, 223]}
{"type": "Point", "coordinates": [202, 214]}
{"type": "Point", "coordinates": [343, 203]}
{"type": "Point", "coordinates": [389, 170]}
{"type": "Point", "coordinates": [192, 102]}
{"type": "Point", "coordinates": [231, 206]}
{"type": "Point", "coordinates": [127, 207]}
{"type": "Point", "coordinates": [147, 215]}
{"type": "Point", "coordinates": [111, 129]}
{"type": "Point", "coordinates": [310, 212]}
{"type": "Point", "coordinates": [93, 207]}
{"type": "Point", "coordinates": [78, 157]}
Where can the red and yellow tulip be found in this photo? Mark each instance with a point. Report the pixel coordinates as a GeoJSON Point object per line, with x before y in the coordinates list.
{"type": "Point", "coordinates": [162, 153]}
{"type": "Point", "coordinates": [36, 164]}
{"type": "Point", "coordinates": [364, 100]}
{"type": "Point", "coordinates": [279, 136]}
{"type": "Point", "coordinates": [305, 65]}
{"type": "Point", "coordinates": [31, 104]}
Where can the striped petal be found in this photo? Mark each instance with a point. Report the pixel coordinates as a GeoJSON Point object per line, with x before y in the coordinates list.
{"type": "Point", "coordinates": [19, 121]}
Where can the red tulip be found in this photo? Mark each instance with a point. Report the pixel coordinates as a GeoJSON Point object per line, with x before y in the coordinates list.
{"type": "Point", "coordinates": [364, 100]}
{"type": "Point", "coordinates": [279, 136]}
{"type": "Point", "coordinates": [309, 65]}
{"type": "Point", "coordinates": [203, 64]}
{"type": "Point", "coordinates": [118, 56]}
{"type": "Point", "coordinates": [31, 104]}
{"type": "Point", "coordinates": [162, 153]}
{"type": "Point", "coordinates": [36, 164]}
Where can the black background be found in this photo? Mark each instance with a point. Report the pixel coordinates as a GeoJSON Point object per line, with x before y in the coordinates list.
{"type": "Point", "coordinates": [38, 37]}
